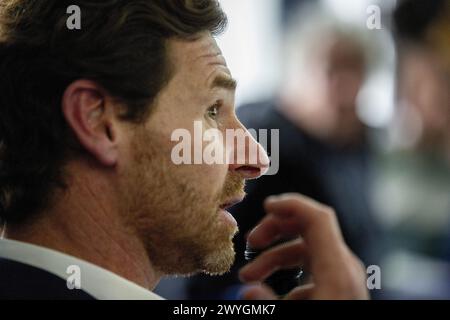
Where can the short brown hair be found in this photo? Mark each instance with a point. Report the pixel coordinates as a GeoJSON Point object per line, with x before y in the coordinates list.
{"type": "Point", "coordinates": [121, 46]}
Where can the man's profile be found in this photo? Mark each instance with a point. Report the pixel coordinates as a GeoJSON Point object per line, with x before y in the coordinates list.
{"type": "Point", "coordinates": [86, 176]}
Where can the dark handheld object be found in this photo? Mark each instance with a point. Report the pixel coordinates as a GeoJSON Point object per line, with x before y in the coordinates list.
{"type": "Point", "coordinates": [281, 281]}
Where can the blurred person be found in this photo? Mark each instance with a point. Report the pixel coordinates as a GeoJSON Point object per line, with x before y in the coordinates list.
{"type": "Point", "coordinates": [413, 176]}
{"type": "Point", "coordinates": [323, 144]}
{"type": "Point", "coordinates": [423, 96]}
{"type": "Point", "coordinates": [87, 179]}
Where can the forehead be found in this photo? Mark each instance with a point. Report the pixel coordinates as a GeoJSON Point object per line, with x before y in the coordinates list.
{"type": "Point", "coordinates": [198, 60]}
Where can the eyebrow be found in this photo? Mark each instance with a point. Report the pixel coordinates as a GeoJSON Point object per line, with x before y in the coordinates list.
{"type": "Point", "coordinates": [224, 82]}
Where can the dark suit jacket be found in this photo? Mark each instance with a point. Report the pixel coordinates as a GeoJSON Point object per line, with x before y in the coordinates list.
{"type": "Point", "coordinates": [22, 281]}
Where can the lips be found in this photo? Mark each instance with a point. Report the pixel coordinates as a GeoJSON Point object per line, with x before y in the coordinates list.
{"type": "Point", "coordinates": [231, 202]}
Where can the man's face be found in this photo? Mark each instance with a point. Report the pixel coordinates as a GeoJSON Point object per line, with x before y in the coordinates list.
{"type": "Point", "coordinates": [176, 209]}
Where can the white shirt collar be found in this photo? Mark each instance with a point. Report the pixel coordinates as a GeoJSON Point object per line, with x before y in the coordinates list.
{"type": "Point", "coordinates": [96, 281]}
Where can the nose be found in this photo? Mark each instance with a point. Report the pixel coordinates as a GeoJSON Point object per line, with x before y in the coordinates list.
{"type": "Point", "coordinates": [248, 158]}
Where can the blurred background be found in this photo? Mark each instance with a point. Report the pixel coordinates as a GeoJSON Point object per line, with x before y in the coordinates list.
{"type": "Point", "coordinates": [360, 93]}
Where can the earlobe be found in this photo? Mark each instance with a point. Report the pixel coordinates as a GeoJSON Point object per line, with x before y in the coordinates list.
{"type": "Point", "coordinates": [89, 116]}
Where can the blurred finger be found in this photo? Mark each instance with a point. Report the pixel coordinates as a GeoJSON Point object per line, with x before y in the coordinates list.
{"type": "Point", "coordinates": [266, 232]}
{"type": "Point", "coordinates": [259, 292]}
{"type": "Point", "coordinates": [300, 293]}
{"type": "Point", "coordinates": [291, 215]}
{"type": "Point", "coordinates": [318, 226]}
{"type": "Point", "coordinates": [316, 223]}
{"type": "Point", "coordinates": [284, 256]}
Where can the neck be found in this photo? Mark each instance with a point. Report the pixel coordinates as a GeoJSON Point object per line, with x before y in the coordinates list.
{"type": "Point", "coordinates": [85, 222]}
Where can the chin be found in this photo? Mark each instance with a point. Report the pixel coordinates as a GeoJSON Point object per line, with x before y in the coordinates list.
{"type": "Point", "coordinates": [220, 261]}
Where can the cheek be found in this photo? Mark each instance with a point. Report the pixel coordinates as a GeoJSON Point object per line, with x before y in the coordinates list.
{"type": "Point", "coordinates": [189, 152]}
{"type": "Point", "coordinates": [206, 177]}
{"type": "Point", "coordinates": [215, 154]}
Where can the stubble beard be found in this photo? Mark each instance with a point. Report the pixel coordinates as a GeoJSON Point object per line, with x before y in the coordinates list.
{"type": "Point", "coordinates": [179, 226]}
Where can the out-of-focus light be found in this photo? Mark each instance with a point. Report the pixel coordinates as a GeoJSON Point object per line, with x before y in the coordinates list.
{"type": "Point", "coordinates": [376, 100]}
{"type": "Point", "coordinates": [350, 11]}
{"type": "Point", "coordinates": [356, 11]}
{"type": "Point", "coordinates": [252, 47]}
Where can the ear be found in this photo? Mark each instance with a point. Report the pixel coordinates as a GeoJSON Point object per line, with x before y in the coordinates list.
{"type": "Point", "coordinates": [92, 118]}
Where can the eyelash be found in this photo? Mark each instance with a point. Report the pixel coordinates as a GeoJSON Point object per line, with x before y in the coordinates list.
{"type": "Point", "coordinates": [216, 108]}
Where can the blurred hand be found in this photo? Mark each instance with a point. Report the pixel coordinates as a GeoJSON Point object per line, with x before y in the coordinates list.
{"type": "Point", "coordinates": [318, 247]}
